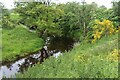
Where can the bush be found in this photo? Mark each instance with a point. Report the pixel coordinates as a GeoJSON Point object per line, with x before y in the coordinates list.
{"type": "Point", "coordinates": [103, 28]}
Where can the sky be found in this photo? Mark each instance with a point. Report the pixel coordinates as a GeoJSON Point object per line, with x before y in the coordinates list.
{"type": "Point", "coordinates": [9, 3]}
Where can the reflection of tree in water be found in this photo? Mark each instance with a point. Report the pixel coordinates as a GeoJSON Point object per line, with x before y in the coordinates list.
{"type": "Point", "coordinates": [60, 44]}
{"type": "Point", "coordinates": [30, 61]}
{"type": "Point", "coordinates": [43, 55]}
{"type": "Point", "coordinates": [9, 66]}
{"type": "Point", "coordinates": [56, 45]}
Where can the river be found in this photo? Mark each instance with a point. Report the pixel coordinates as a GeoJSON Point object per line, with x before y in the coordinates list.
{"type": "Point", "coordinates": [53, 47]}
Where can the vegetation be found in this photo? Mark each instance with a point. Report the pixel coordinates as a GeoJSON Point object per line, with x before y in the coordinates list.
{"type": "Point", "coordinates": [19, 42]}
{"type": "Point", "coordinates": [104, 28]}
{"type": "Point", "coordinates": [41, 16]}
{"type": "Point", "coordinates": [86, 60]}
{"type": "Point", "coordinates": [94, 27]}
{"type": "Point", "coordinates": [51, 20]}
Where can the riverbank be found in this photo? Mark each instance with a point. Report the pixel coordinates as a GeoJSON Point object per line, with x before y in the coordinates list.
{"type": "Point", "coordinates": [86, 60]}
{"type": "Point", "coordinates": [53, 47]}
{"type": "Point", "coordinates": [19, 42]}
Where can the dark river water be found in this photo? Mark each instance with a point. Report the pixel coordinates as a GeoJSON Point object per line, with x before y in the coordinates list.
{"type": "Point", "coordinates": [53, 47]}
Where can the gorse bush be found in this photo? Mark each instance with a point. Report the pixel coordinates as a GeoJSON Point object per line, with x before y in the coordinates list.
{"type": "Point", "coordinates": [103, 28]}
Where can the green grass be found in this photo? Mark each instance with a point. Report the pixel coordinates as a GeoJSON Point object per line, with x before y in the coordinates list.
{"type": "Point", "coordinates": [86, 60]}
{"type": "Point", "coordinates": [19, 41]}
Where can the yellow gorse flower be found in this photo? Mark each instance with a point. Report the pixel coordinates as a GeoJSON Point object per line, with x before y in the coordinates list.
{"type": "Point", "coordinates": [97, 35]}
{"type": "Point", "coordinates": [102, 28]}
{"type": "Point", "coordinates": [111, 30]}
{"type": "Point", "coordinates": [100, 23]}
{"type": "Point", "coordinates": [107, 22]}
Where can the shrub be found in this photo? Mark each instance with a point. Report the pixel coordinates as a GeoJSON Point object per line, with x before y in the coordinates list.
{"type": "Point", "coordinates": [103, 28]}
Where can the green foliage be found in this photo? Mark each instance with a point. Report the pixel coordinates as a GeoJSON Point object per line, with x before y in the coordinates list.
{"type": "Point", "coordinates": [15, 17]}
{"type": "Point", "coordinates": [9, 20]}
{"type": "Point", "coordinates": [6, 21]}
{"type": "Point", "coordinates": [116, 9]}
{"type": "Point", "coordinates": [19, 41]}
{"type": "Point", "coordinates": [75, 20]}
{"type": "Point", "coordinates": [62, 19]}
{"type": "Point", "coordinates": [40, 15]}
{"type": "Point", "coordinates": [102, 13]}
{"type": "Point", "coordinates": [84, 61]}
{"type": "Point", "coordinates": [80, 18]}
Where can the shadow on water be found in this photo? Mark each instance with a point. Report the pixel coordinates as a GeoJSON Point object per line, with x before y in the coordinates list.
{"type": "Point", "coordinates": [53, 47]}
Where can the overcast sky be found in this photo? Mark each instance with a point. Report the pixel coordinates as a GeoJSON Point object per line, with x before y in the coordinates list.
{"type": "Point", "coordinates": [9, 3]}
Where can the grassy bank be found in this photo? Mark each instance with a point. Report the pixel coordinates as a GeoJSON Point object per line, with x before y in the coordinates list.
{"type": "Point", "coordinates": [19, 42]}
{"type": "Point", "coordinates": [86, 60]}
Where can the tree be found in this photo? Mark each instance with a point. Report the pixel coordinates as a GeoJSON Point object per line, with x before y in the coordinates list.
{"type": "Point", "coordinates": [76, 20]}
{"type": "Point", "coordinates": [5, 21]}
{"type": "Point", "coordinates": [42, 15]}
{"type": "Point", "coordinates": [116, 8]}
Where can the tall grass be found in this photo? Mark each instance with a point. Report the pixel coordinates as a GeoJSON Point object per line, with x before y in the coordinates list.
{"type": "Point", "coordinates": [86, 60]}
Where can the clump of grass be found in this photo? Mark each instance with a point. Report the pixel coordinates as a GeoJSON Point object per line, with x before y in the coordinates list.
{"type": "Point", "coordinates": [19, 41]}
{"type": "Point", "coordinates": [84, 61]}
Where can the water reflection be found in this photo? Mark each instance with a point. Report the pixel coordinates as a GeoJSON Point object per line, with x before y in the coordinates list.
{"type": "Point", "coordinates": [53, 47]}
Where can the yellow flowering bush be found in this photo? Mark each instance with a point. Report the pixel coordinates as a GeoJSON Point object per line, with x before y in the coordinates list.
{"type": "Point", "coordinates": [96, 35]}
{"type": "Point", "coordinates": [103, 28]}
{"type": "Point", "coordinates": [113, 55]}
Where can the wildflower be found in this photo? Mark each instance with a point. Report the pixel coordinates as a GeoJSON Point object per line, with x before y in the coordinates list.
{"type": "Point", "coordinates": [100, 23]}
{"type": "Point", "coordinates": [113, 55]}
{"type": "Point", "coordinates": [111, 30]}
{"type": "Point", "coordinates": [103, 28]}
{"type": "Point", "coordinates": [107, 22]}
{"type": "Point", "coordinates": [97, 34]}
